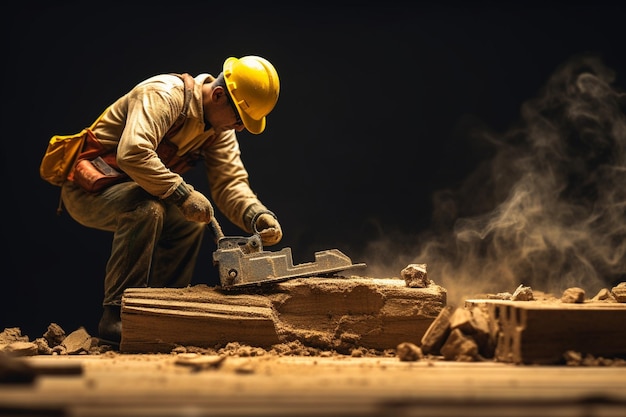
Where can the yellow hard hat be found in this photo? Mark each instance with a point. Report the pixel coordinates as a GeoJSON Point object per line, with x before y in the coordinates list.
{"type": "Point", "coordinates": [253, 84]}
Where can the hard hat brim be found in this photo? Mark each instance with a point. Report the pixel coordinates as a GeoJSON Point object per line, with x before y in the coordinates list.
{"type": "Point", "coordinates": [253, 126]}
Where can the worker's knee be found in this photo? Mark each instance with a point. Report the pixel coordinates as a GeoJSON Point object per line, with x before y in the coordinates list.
{"type": "Point", "coordinates": [154, 208]}
{"type": "Point", "coordinates": [147, 211]}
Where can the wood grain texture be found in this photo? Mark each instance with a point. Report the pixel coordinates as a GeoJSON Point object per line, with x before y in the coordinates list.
{"type": "Point", "coordinates": [326, 313]}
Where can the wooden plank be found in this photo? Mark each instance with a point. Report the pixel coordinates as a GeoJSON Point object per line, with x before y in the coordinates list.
{"type": "Point", "coordinates": [326, 313]}
{"type": "Point", "coordinates": [158, 386]}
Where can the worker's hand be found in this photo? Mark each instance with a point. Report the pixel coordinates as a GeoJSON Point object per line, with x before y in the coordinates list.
{"type": "Point", "coordinates": [268, 228]}
{"type": "Point", "coordinates": [197, 208]}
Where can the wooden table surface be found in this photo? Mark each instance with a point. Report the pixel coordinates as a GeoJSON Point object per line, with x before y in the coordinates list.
{"type": "Point", "coordinates": [200, 385]}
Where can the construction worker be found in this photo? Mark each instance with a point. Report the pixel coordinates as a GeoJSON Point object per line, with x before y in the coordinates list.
{"type": "Point", "coordinates": [157, 219]}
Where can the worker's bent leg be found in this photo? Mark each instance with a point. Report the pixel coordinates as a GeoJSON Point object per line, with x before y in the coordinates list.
{"type": "Point", "coordinates": [153, 244]}
{"type": "Point", "coordinates": [176, 251]}
{"type": "Point", "coordinates": [136, 220]}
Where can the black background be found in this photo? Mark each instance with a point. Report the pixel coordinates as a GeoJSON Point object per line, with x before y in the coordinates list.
{"type": "Point", "coordinates": [373, 117]}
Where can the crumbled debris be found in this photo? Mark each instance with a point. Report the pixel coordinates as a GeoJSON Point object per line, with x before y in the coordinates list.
{"type": "Point", "coordinates": [473, 338]}
{"type": "Point", "coordinates": [20, 349]}
{"type": "Point", "coordinates": [77, 342]}
{"type": "Point", "coordinates": [409, 352]}
{"type": "Point", "coordinates": [459, 334]}
{"type": "Point", "coordinates": [53, 342]}
{"type": "Point", "coordinates": [500, 296]}
{"type": "Point", "coordinates": [198, 362]}
{"type": "Point", "coordinates": [237, 349]}
{"type": "Point", "coordinates": [415, 276]}
{"type": "Point", "coordinates": [604, 295]}
{"type": "Point", "coordinates": [573, 295]}
{"type": "Point", "coordinates": [574, 358]}
{"type": "Point", "coordinates": [438, 331]}
{"type": "Point", "coordinates": [55, 335]}
{"type": "Point", "coordinates": [193, 349]}
{"type": "Point", "coordinates": [619, 292]}
{"type": "Point", "coordinates": [522, 293]}
{"type": "Point", "coordinates": [295, 348]}
{"type": "Point", "coordinates": [356, 353]}
{"type": "Point", "coordinates": [482, 333]}
{"type": "Point", "coordinates": [462, 319]}
{"type": "Point", "coordinates": [42, 346]}
{"type": "Point", "coordinates": [462, 328]}
{"type": "Point", "coordinates": [12, 334]}
{"type": "Point", "coordinates": [460, 347]}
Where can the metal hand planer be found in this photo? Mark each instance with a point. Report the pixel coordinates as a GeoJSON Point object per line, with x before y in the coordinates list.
{"type": "Point", "coordinates": [242, 262]}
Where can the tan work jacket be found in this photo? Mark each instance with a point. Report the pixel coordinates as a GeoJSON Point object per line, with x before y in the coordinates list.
{"type": "Point", "coordinates": [137, 122]}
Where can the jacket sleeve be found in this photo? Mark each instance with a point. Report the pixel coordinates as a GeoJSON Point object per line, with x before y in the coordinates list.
{"type": "Point", "coordinates": [228, 179]}
{"type": "Point", "coordinates": [151, 110]}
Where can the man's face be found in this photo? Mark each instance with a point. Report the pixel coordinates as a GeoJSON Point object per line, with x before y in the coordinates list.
{"type": "Point", "coordinates": [224, 115]}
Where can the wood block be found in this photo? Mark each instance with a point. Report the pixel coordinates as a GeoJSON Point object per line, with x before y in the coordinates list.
{"type": "Point", "coordinates": [537, 332]}
{"type": "Point", "coordinates": [326, 313]}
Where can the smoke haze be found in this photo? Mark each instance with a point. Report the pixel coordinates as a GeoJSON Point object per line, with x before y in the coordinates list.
{"type": "Point", "coordinates": [548, 207]}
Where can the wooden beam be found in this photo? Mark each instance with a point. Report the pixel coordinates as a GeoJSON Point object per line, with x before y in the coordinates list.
{"type": "Point", "coordinates": [326, 313]}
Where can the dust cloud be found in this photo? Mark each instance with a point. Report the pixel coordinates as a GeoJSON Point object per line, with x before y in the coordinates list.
{"type": "Point", "coordinates": [547, 209]}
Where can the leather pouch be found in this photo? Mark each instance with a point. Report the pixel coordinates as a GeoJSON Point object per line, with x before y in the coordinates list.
{"type": "Point", "coordinates": [93, 175]}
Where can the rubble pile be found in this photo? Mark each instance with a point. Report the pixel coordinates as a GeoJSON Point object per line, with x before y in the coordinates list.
{"type": "Point", "coordinates": [466, 334]}
{"type": "Point", "coordinates": [53, 342]}
{"type": "Point", "coordinates": [469, 333]}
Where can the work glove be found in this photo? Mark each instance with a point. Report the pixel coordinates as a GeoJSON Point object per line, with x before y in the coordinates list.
{"type": "Point", "coordinates": [264, 223]}
{"type": "Point", "coordinates": [193, 204]}
{"type": "Point", "coordinates": [268, 228]}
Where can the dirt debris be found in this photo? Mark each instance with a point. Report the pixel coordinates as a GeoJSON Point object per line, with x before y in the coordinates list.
{"type": "Point", "coordinates": [12, 334]}
{"type": "Point", "coordinates": [54, 335]}
{"type": "Point", "coordinates": [54, 342]}
{"type": "Point", "coordinates": [460, 334]}
{"type": "Point", "coordinates": [409, 352]}
{"type": "Point", "coordinates": [19, 348]}
{"type": "Point", "coordinates": [604, 295]}
{"type": "Point", "coordinates": [619, 292]}
{"type": "Point", "coordinates": [574, 358]}
{"type": "Point", "coordinates": [573, 295]}
{"type": "Point", "coordinates": [438, 332]}
{"type": "Point", "coordinates": [522, 293]}
{"type": "Point", "coordinates": [416, 276]}
{"type": "Point", "coordinates": [457, 334]}
{"type": "Point", "coordinates": [459, 347]}
{"type": "Point", "coordinates": [200, 362]}
{"type": "Point", "coordinates": [469, 334]}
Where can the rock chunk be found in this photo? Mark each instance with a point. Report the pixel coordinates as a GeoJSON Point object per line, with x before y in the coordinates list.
{"type": "Point", "coordinates": [415, 276]}
{"type": "Point", "coordinates": [436, 335]}
{"type": "Point", "coordinates": [619, 292]}
{"type": "Point", "coordinates": [573, 295]}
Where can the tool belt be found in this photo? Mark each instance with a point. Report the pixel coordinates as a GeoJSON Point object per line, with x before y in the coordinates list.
{"type": "Point", "coordinates": [96, 167]}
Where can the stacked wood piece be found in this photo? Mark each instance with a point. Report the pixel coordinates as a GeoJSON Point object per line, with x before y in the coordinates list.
{"type": "Point", "coordinates": [537, 332]}
{"type": "Point", "coordinates": [532, 331]}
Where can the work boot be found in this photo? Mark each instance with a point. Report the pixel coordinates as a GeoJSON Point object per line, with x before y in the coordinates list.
{"type": "Point", "coordinates": [110, 326]}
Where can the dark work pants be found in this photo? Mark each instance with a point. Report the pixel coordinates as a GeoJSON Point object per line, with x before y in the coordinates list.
{"type": "Point", "coordinates": [153, 244]}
